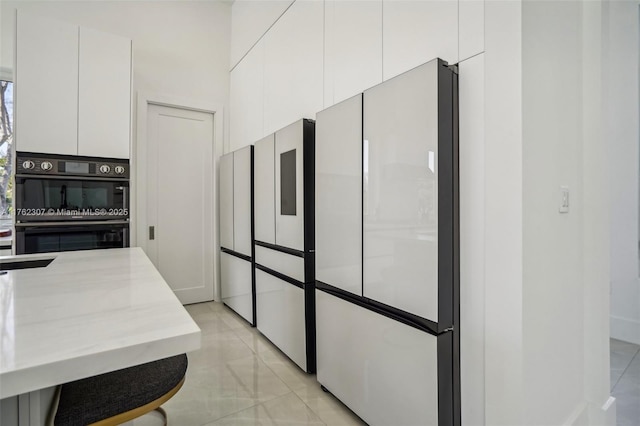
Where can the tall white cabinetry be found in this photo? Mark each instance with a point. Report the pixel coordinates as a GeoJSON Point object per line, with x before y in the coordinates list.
{"type": "Point", "coordinates": [284, 164]}
{"type": "Point", "coordinates": [387, 249]}
{"type": "Point", "coordinates": [73, 89]}
{"type": "Point", "coordinates": [237, 233]}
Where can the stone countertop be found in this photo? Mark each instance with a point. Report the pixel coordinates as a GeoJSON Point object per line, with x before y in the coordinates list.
{"type": "Point", "coordinates": [86, 313]}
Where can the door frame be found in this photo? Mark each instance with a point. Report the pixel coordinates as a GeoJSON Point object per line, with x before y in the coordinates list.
{"type": "Point", "coordinates": [139, 168]}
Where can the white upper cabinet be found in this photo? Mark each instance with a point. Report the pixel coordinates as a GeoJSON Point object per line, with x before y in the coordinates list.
{"type": "Point", "coordinates": [242, 208]}
{"type": "Point", "coordinates": [415, 32]}
{"type": "Point", "coordinates": [247, 98]}
{"type": "Point", "coordinates": [352, 48]}
{"type": "Point", "coordinates": [46, 85]}
{"type": "Point", "coordinates": [264, 190]}
{"type": "Point", "coordinates": [471, 21]}
{"type": "Point", "coordinates": [104, 102]}
{"type": "Point", "coordinates": [226, 201]}
{"type": "Point", "coordinates": [73, 89]}
{"type": "Point", "coordinates": [293, 69]}
{"type": "Point", "coordinates": [339, 195]}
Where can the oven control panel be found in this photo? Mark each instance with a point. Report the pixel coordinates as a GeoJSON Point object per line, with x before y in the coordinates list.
{"type": "Point", "coordinates": [58, 165]}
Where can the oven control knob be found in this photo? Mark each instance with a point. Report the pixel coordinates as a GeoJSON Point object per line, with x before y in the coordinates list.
{"type": "Point", "coordinates": [119, 170]}
{"type": "Point", "coordinates": [28, 164]}
{"type": "Point", "coordinates": [105, 168]}
{"type": "Point", "coordinates": [46, 166]}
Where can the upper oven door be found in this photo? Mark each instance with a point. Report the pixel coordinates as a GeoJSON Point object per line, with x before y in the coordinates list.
{"type": "Point", "coordinates": [46, 199]}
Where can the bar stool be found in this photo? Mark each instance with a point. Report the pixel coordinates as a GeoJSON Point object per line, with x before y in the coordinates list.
{"type": "Point", "coordinates": [119, 396]}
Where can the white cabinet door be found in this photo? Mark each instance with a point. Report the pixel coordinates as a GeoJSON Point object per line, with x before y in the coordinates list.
{"type": "Point", "coordinates": [339, 195]}
{"type": "Point", "coordinates": [242, 210]}
{"type": "Point", "coordinates": [293, 69]}
{"type": "Point", "coordinates": [264, 190]}
{"type": "Point", "coordinates": [104, 103]}
{"type": "Point", "coordinates": [289, 201]}
{"type": "Point", "coordinates": [471, 28]}
{"type": "Point", "coordinates": [415, 32]}
{"type": "Point", "coordinates": [353, 48]}
{"type": "Point", "coordinates": [46, 86]}
{"type": "Point", "coordinates": [226, 201]}
{"type": "Point", "coordinates": [401, 192]}
{"type": "Point", "coordinates": [246, 97]}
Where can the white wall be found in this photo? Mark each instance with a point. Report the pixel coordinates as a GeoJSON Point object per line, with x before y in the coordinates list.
{"type": "Point", "coordinates": [553, 317]}
{"type": "Point", "coordinates": [533, 282]}
{"type": "Point", "coordinates": [180, 48]}
{"type": "Point", "coordinates": [621, 100]}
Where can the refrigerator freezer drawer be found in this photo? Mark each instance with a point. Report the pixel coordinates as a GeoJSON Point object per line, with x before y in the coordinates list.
{"type": "Point", "coordinates": [236, 285]}
{"type": "Point", "coordinates": [281, 316]}
{"type": "Point", "coordinates": [287, 264]}
{"type": "Point", "coordinates": [383, 370]}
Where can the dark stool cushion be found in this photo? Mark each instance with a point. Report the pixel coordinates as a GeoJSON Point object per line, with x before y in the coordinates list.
{"type": "Point", "coordinates": [97, 398]}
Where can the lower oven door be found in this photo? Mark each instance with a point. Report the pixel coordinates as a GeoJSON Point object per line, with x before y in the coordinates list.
{"type": "Point", "coordinates": [52, 237]}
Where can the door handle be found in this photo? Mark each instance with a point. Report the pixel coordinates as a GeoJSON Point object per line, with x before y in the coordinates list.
{"type": "Point", "coordinates": [152, 232]}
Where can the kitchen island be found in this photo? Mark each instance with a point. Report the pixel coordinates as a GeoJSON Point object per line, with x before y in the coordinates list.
{"type": "Point", "coordinates": [85, 313]}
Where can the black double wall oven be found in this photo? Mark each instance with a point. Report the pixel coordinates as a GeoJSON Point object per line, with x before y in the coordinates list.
{"type": "Point", "coordinates": [66, 203]}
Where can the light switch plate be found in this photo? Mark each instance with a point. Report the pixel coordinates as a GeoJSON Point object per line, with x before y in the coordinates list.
{"type": "Point", "coordinates": [564, 199]}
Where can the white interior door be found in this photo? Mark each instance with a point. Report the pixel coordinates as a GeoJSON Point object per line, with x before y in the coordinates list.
{"type": "Point", "coordinates": [180, 199]}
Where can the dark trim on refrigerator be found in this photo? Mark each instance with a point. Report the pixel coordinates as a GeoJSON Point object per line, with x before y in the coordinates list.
{"type": "Point", "coordinates": [253, 245]}
{"type": "Point", "coordinates": [237, 313]}
{"type": "Point", "coordinates": [447, 192]}
{"type": "Point", "coordinates": [411, 320]}
{"type": "Point", "coordinates": [310, 268]}
{"type": "Point", "coordinates": [283, 249]}
{"type": "Point", "coordinates": [309, 182]}
{"type": "Point", "coordinates": [457, 404]}
{"type": "Point", "coordinates": [362, 193]}
{"type": "Point", "coordinates": [446, 413]}
{"type": "Point", "coordinates": [280, 276]}
{"type": "Point", "coordinates": [236, 254]}
{"type": "Point", "coordinates": [310, 326]}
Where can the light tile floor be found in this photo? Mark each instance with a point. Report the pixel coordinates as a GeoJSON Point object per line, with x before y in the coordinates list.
{"type": "Point", "coordinates": [625, 382]}
{"type": "Point", "coordinates": [239, 378]}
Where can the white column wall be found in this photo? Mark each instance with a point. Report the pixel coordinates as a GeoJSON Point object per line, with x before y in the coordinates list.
{"type": "Point", "coordinates": [553, 329]}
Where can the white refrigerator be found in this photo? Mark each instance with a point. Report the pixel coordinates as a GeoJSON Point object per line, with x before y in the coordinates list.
{"type": "Point", "coordinates": [237, 274]}
{"type": "Point", "coordinates": [387, 233]}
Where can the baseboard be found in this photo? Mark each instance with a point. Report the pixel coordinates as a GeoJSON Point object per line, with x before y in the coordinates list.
{"type": "Point", "coordinates": [605, 414]}
{"type": "Point", "coordinates": [586, 414]}
{"type": "Point", "coordinates": [625, 329]}
{"type": "Point", "coordinates": [579, 416]}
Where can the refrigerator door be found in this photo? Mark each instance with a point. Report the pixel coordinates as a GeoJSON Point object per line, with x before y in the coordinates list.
{"type": "Point", "coordinates": [400, 166]}
{"type": "Point", "coordinates": [339, 195]}
{"type": "Point", "coordinates": [226, 201]}
{"type": "Point", "coordinates": [289, 186]}
{"type": "Point", "coordinates": [264, 194]}
{"type": "Point", "coordinates": [242, 209]}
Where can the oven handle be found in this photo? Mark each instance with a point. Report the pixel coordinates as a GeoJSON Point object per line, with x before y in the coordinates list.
{"type": "Point", "coordinates": [103, 179]}
{"type": "Point", "coordinates": [94, 222]}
